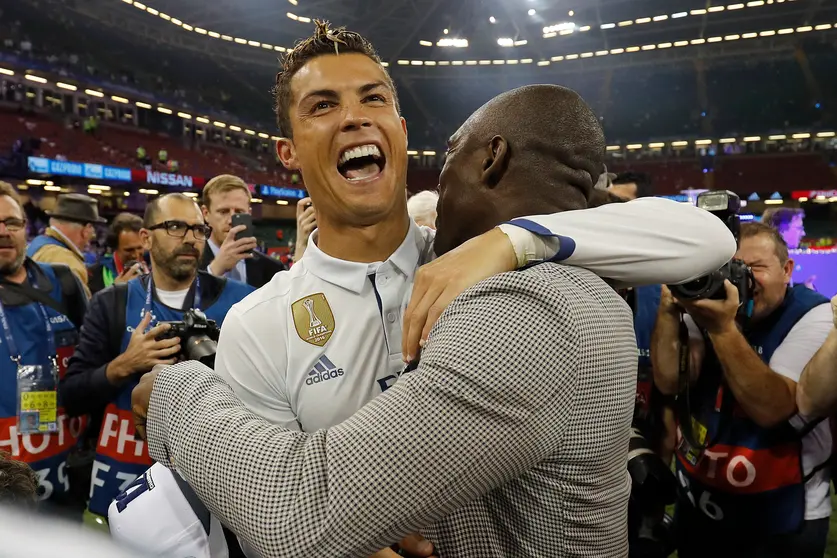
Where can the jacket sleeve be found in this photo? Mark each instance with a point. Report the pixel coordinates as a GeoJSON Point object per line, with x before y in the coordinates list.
{"type": "Point", "coordinates": [85, 388]}
{"type": "Point", "coordinates": [405, 460]}
{"type": "Point", "coordinates": [642, 242]}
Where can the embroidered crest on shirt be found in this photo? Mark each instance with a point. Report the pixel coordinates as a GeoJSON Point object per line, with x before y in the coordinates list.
{"type": "Point", "coordinates": [313, 319]}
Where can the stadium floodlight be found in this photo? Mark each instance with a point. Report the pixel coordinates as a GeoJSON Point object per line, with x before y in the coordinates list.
{"type": "Point", "coordinates": [777, 137]}
{"type": "Point", "coordinates": [67, 86]}
{"type": "Point", "coordinates": [98, 187]}
{"type": "Point", "coordinates": [642, 20]}
{"type": "Point", "coordinates": [680, 143]}
{"type": "Point", "coordinates": [226, 38]}
{"type": "Point", "coordinates": [614, 147]}
{"type": "Point", "coordinates": [564, 26]}
{"type": "Point", "coordinates": [426, 43]}
{"type": "Point", "coordinates": [294, 2]}
{"type": "Point", "coordinates": [167, 17]}
{"type": "Point", "coordinates": [139, 5]}
{"type": "Point", "coordinates": [188, 27]}
{"type": "Point", "coordinates": [787, 31]}
{"type": "Point", "coordinates": [94, 93]}
{"type": "Point", "coordinates": [250, 132]}
{"type": "Point", "coordinates": [714, 39]}
{"type": "Point", "coordinates": [735, 6]}
{"type": "Point", "coordinates": [452, 42]}
{"type": "Point", "coordinates": [804, 29]}
{"type": "Point", "coordinates": [715, 9]}
{"type": "Point", "coordinates": [140, 104]}
{"type": "Point", "coordinates": [505, 41]}
{"type": "Point", "coordinates": [275, 138]}
{"type": "Point", "coordinates": [263, 135]}
{"type": "Point", "coordinates": [119, 99]}
{"type": "Point", "coordinates": [607, 26]}
{"type": "Point", "coordinates": [176, 21]}
{"type": "Point", "coordinates": [235, 128]}
{"type": "Point", "coordinates": [755, 4]}
{"type": "Point", "coordinates": [801, 136]}
{"type": "Point", "coordinates": [825, 134]}
{"type": "Point", "coordinates": [633, 146]}
{"type": "Point", "coordinates": [52, 188]}
{"type": "Point", "coordinates": [164, 110]}
{"type": "Point", "coordinates": [521, 42]}
{"type": "Point", "coordinates": [543, 63]}
{"type": "Point", "coordinates": [660, 18]}
{"type": "Point", "coordinates": [532, 11]}
{"type": "Point", "coordinates": [428, 153]}
{"type": "Point", "coordinates": [6, 72]}
{"type": "Point", "coordinates": [200, 30]}
{"type": "Point", "coordinates": [492, 19]}
{"type": "Point", "coordinates": [656, 145]}
{"type": "Point", "coordinates": [148, 191]}
{"type": "Point", "coordinates": [678, 15]}
{"type": "Point", "coordinates": [214, 34]}
{"type": "Point", "coordinates": [752, 138]}
{"type": "Point", "coordinates": [36, 79]}
{"type": "Point", "coordinates": [281, 202]}
{"type": "Point", "coordinates": [240, 41]}
{"type": "Point", "coordinates": [526, 61]}
{"type": "Point", "coordinates": [184, 115]}
{"type": "Point", "coordinates": [703, 142]}
{"type": "Point", "coordinates": [698, 12]}
{"type": "Point", "coordinates": [152, 11]}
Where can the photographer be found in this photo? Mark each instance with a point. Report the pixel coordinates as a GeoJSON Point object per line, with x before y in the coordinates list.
{"type": "Point", "coordinates": [124, 240]}
{"type": "Point", "coordinates": [120, 338]}
{"type": "Point", "coordinates": [752, 472]}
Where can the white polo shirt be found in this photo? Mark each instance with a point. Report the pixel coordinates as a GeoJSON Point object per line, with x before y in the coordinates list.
{"type": "Point", "coordinates": [319, 341]}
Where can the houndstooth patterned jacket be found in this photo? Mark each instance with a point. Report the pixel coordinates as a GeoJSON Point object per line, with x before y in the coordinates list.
{"type": "Point", "coordinates": [509, 440]}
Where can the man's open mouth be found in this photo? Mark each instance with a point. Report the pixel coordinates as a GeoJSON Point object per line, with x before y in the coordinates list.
{"type": "Point", "coordinates": [361, 162]}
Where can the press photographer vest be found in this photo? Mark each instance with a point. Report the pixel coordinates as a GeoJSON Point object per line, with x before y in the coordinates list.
{"type": "Point", "coordinates": [750, 478]}
{"type": "Point", "coordinates": [45, 453]}
{"type": "Point", "coordinates": [120, 456]}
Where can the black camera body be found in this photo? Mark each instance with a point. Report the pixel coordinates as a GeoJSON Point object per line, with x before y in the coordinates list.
{"type": "Point", "coordinates": [725, 205]}
{"type": "Point", "coordinates": [198, 337]}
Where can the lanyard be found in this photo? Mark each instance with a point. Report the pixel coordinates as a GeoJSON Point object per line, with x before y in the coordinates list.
{"type": "Point", "coordinates": [148, 295]}
{"type": "Point", "coordinates": [14, 354]}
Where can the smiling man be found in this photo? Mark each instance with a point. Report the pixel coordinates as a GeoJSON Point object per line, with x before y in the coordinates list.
{"type": "Point", "coordinates": [318, 342]}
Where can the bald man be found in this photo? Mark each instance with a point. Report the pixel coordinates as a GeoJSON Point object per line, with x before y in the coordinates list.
{"type": "Point", "coordinates": [510, 436]}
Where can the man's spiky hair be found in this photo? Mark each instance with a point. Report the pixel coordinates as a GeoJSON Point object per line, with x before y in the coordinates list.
{"type": "Point", "coordinates": [325, 40]}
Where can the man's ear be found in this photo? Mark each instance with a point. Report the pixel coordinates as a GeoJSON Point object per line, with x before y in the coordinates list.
{"type": "Point", "coordinates": [787, 270]}
{"type": "Point", "coordinates": [145, 237]}
{"type": "Point", "coordinates": [495, 164]}
{"type": "Point", "coordinates": [406, 135]}
{"type": "Point", "coordinates": [287, 153]}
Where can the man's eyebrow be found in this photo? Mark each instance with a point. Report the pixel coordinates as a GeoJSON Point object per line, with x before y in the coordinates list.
{"type": "Point", "coordinates": [326, 93]}
{"type": "Point", "coordinates": [372, 86]}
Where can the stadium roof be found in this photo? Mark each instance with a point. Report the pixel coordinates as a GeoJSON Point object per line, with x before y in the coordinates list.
{"type": "Point", "coordinates": [532, 30]}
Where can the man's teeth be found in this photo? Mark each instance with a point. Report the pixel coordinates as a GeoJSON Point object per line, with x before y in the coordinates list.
{"type": "Point", "coordinates": [360, 151]}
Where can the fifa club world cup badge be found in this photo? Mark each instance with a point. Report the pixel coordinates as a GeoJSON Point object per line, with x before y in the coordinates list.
{"type": "Point", "coordinates": [313, 319]}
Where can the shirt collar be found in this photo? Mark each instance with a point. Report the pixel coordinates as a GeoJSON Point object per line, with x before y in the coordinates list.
{"type": "Point", "coordinates": [353, 275]}
{"type": "Point", "coordinates": [63, 238]}
{"type": "Point", "coordinates": [213, 246]}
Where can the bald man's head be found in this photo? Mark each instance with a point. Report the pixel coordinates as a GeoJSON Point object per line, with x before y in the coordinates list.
{"type": "Point", "coordinates": [536, 149]}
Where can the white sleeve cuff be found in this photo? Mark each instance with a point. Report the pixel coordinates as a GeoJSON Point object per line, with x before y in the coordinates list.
{"type": "Point", "coordinates": [528, 247]}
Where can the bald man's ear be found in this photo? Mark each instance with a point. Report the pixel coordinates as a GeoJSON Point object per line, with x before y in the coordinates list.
{"type": "Point", "coordinates": [495, 164]}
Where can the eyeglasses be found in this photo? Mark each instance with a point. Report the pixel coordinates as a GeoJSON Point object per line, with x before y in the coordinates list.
{"type": "Point", "coordinates": [178, 229]}
{"type": "Point", "coordinates": [13, 224]}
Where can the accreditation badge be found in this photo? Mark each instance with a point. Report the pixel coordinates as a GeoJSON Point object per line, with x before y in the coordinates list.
{"type": "Point", "coordinates": [37, 396]}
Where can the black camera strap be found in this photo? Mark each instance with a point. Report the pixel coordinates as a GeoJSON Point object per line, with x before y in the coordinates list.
{"type": "Point", "coordinates": [684, 400]}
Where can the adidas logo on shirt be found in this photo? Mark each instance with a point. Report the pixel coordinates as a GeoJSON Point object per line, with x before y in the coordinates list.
{"type": "Point", "coordinates": [324, 370]}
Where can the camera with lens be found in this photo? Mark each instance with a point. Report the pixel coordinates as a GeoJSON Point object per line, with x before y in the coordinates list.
{"type": "Point", "coordinates": [725, 205]}
{"type": "Point", "coordinates": [198, 337]}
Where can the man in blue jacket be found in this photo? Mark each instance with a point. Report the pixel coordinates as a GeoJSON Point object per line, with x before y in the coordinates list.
{"type": "Point", "coordinates": [121, 337]}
